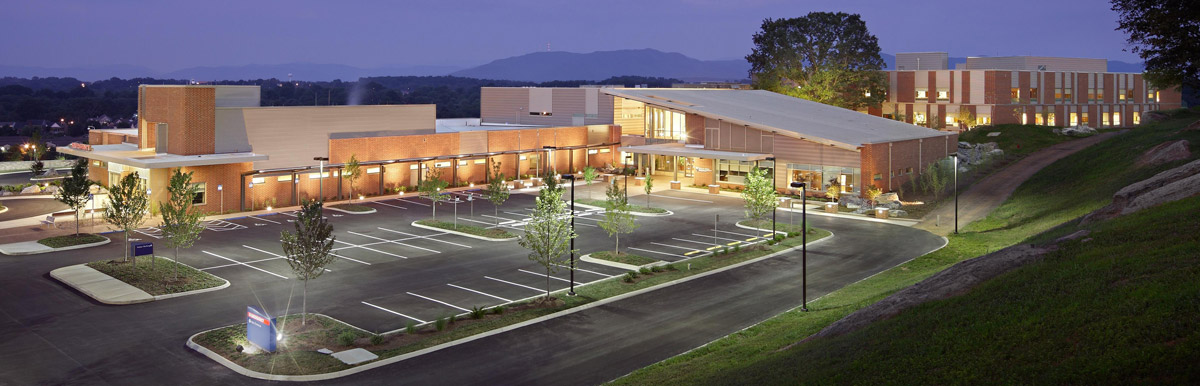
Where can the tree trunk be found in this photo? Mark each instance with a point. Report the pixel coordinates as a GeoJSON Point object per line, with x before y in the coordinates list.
{"type": "Point", "coordinates": [76, 222]}
{"type": "Point", "coordinates": [304, 304]}
{"type": "Point", "coordinates": [547, 281]}
{"type": "Point", "coordinates": [176, 263]}
{"type": "Point", "coordinates": [617, 248]}
{"type": "Point", "coordinates": [496, 213]}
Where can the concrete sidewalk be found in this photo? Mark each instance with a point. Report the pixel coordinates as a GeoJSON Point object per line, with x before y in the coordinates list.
{"type": "Point", "coordinates": [99, 286]}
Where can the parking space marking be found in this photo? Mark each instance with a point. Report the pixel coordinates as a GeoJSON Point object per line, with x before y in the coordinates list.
{"type": "Point", "coordinates": [247, 265]}
{"type": "Point", "coordinates": [429, 237]}
{"type": "Point", "coordinates": [674, 246]}
{"type": "Point", "coordinates": [735, 241]}
{"type": "Point", "coordinates": [413, 202]}
{"type": "Point", "coordinates": [273, 254]}
{"type": "Point", "coordinates": [681, 198]}
{"type": "Point", "coordinates": [369, 249]}
{"type": "Point", "coordinates": [661, 253]}
{"type": "Point", "coordinates": [222, 225]}
{"type": "Point", "coordinates": [527, 219]}
{"type": "Point", "coordinates": [732, 233]}
{"type": "Point", "coordinates": [239, 263]}
{"type": "Point", "coordinates": [692, 241]}
{"type": "Point", "coordinates": [391, 241]}
{"type": "Point", "coordinates": [692, 252]}
{"type": "Point", "coordinates": [491, 224]}
{"type": "Point", "coordinates": [583, 270]}
{"type": "Point", "coordinates": [154, 232]}
{"type": "Point", "coordinates": [544, 275]}
{"type": "Point", "coordinates": [263, 219]}
{"type": "Point", "coordinates": [516, 284]}
{"type": "Point", "coordinates": [478, 292]}
{"type": "Point", "coordinates": [386, 204]}
{"type": "Point", "coordinates": [351, 259]}
{"type": "Point", "coordinates": [437, 301]}
{"type": "Point", "coordinates": [507, 221]}
{"type": "Point", "coordinates": [394, 312]}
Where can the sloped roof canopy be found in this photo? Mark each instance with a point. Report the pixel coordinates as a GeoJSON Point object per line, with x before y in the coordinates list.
{"type": "Point", "coordinates": [778, 113]}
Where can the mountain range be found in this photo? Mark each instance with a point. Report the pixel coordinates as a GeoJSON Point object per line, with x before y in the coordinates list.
{"type": "Point", "coordinates": [534, 67]}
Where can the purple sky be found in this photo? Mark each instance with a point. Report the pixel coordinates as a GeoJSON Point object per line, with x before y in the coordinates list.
{"type": "Point", "coordinates": [169, 35]}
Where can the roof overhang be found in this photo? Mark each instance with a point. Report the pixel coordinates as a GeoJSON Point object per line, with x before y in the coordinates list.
{"type": "Point", "coordinates": [128, 154]}
{"type": "Point", "coordinates": [679, 150]}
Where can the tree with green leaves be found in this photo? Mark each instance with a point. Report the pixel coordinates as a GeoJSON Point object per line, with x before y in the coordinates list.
{"type": "Point", "coordinates": [934, 179]}
{"type": "Point", "coordinates": [548, 232]}
{"type": "Point", "coordinates": [824, 57]}
{"type": "Point", "coordinates": [75, 189]}
{"type": "Point", "coordinates": [965, 118]}
{"type": "Point", "coordinates": [648, 187]}
{"type": "Point", "coordinates": [759, 195]}
{"type": "Point", "coordinates": [497, 189]}
{"type": "Point", "coordinates": [589, 175]}
{"type": "Point", "coordinates": [352, 172]}
{"type": "Point", "coordinates": [431, 188]}
{"type": "Point", "coordinates": [310, 249]}
{"type": "Point", "coordinates": [1163, 33]}
{"type": "Point", "coordinates": [618, 219]}
{"type": "Point", "coordinates": [180, 218]}
{"type": "Point", "coordinates": [128, 203]}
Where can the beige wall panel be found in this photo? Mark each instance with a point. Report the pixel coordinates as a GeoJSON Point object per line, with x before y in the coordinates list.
{"type": "Point", "coordinates": [793, 150]}
{"type": "Point", "coordinates": [292, 136]}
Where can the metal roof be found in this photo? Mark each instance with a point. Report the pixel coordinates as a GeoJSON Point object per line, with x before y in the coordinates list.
{"type": "Point", "coordinates": [778, 113]}
{"type": "Point", "coordinates": [680, 150]}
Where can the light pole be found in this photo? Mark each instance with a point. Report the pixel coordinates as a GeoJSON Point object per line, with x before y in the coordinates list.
{"type": "Point", "coordinates": [956, 194]}
{"type": "Point", "coordinates": [774, 203]}
{"type": "Point", "coordinates": [625, 175]}
{"type": "Point", "coordinates": [803, 244]}
{"type": "Point", "coordinates": [321, 176]}
{"type": "Point", "coordinates": [571, 177]}
{"type": "Point", "coordinates": [221, 190]}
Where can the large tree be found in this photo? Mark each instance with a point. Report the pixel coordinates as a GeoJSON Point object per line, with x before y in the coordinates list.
{"type": "Point", "coordinates": [617, 217]}
{"type": "Point", "coordinates": [759, 195]}
{"type": "Point", "coordinates": [497, 189]}
{"type": "Point", "coordinates": [1166, 35]}
{"type": "Point", "coordinates": [824, 57]}
{"type": "Point", "coordinates": [128, 203]}
{"type": "Point", "coordinates": [548, 231]}
{"type": "Point", "coordinates": [180, 218]}
{"type": "Point", "coordinates": [310, 249]}
{"type": "Point", "coordinates": [75, 189]}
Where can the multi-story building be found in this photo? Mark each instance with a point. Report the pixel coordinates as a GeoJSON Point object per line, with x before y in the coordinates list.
{"type": "Point", "coordinates": [1018, 89]}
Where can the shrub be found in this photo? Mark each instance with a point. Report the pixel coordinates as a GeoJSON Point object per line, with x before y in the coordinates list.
{"type": "Point", "coordinates": [477, 312]}
{"type": "Point", "coordinates": [770, 242]}
{"type": "Point", "coordinates": [778, 237]}
{"type": "Point", "coordinates": [498, 310]}
{"type": "Point", "coordinates": [656, 269]}
{"type": "Point", "coordinates": [440, 324]}
{"type": "Point", "coordinates": [669, 266]}
{"type": "Point", "coordinates": [737, 248]}
{"type": "Point", "coordinates": [793, 234]}
{"type": "Point", "coordinates": [453, 318]}
{"type": "Point", "coordinates": [411, 328]}
{"type": "Point", "coordinates": [347, 338]}
{"type": "Point", "coordinates": [377, 339]}
{"type": "Point", "coordinates": [644, 271]}
{"type": "Point", "coordinates": [629, 276]}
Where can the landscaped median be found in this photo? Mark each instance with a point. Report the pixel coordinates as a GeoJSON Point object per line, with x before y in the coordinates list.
{"type": "Point", "coordinates": [620, 260]}
{"type": "Point", "coordinates": [352, 208]}
{"type": "Point", "coordinates": [472, 231]}
{"type": "Point", "coordinates": [54, 244]}
{"type": "Point", "coordinates": [297, 359]}
{"type": "Point", "coordinates": [120, 282]}
{"type": "Point", "coordinates": [636, 210]}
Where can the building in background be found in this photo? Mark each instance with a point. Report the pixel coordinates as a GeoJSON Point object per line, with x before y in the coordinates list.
{"type": "Point", "coordinates": [1017, 89]}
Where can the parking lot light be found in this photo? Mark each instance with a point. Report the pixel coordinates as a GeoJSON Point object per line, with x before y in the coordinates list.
{"type": "Point", "coordinates": [268, 208]}
{"type": "Point", "coordinates": [571, 177]}
{"type": "Point", "coordinates": [803, 244]}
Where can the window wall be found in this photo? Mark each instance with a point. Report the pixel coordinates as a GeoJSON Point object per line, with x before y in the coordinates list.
{"type": "Point", "coordinates": [822, 177]}
{"type": "Point", "coordinates": [667, 124]}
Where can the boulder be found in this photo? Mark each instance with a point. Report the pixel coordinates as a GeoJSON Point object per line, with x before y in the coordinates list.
{"type": "Point", "coordinates": [849, 199]}
{"type": "Point", "coordinates": [6, 193]}
{"type": "Point", "coordinates": [886, 197]}
{"type": "Point", "coordinates": [995, 153]}
{"type": "Point", "coordinates": [889, 204]}
{"type": "Point", "coordinates": [1177, 190]}
{"type": "Point", "coordinates": [1128, 195]}
{"type": "Point", "coordinates": [1078, 131]}
{"type": "Point", "coordinates": [897, 213]}
{"type": "Point", "coordinates": [1195, 126]}
{"type": "Point", "coordinates": [987, 147]}
{"type": "Point", "coordinates": [1154, 116]}
{"type": "Point", "coordinates": [1166, 152]}
{"type": "Point", "coordinates": [964, 145]}
{"type": "Point", "coordinates": [51, 189]}
{"type": "Point", "coordinates": [32, 189]}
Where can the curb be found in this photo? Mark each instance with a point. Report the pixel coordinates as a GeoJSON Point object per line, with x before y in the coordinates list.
{"type": "Point", "coordinates": [350, 211]}
{"type": "Point", "coordinates": [414, 223]}
{"type": "Point", "coordinates": [643, 214]}
{"type": "Point", "coordinates": [628, 267]}
{"type": "Point", "coordinates": [89, 293]}
{"type": "Point", "coordinates": [402, 357]}
{"type": "Point", "coordinates": [151, 298]}
{"type": "Point", "coordinates": [50, 250]}
{"type": "Point", "coordinates": [194, 292]}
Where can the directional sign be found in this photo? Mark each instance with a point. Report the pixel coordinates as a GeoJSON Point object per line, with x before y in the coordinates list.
{"type": "Point", "coordinates": [260, 329]}
{"type": "Point", "coordinates": [141, 249]}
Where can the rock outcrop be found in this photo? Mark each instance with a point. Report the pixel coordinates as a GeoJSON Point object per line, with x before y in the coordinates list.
{"type": "Point", "coordinates": [1166, 152]}
{"type": "Point", "coordinates": [32, 189]}
{"type": "Point", "coordinates": [1174, 184]}
{"type": "Point", "coordinates": [1076, 131]}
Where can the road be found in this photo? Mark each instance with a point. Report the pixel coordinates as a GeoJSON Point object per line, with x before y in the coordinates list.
{"type": "Point", "coordinates": [51, 335]}
{"type": "Point", "coordinates": [29, 207]}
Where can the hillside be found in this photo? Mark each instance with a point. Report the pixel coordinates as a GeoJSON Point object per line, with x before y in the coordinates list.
{"type": "Point", "coordinates": [558, 65]}
{"type": "Point", "coordinates": [1121, 306]}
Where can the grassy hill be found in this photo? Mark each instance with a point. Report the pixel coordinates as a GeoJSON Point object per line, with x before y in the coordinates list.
{"type": "Point", "coordinates": [1122, 306]}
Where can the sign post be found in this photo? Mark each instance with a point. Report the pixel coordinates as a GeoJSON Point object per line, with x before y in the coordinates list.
{"type": "Point", "coordinates": [260, 329]}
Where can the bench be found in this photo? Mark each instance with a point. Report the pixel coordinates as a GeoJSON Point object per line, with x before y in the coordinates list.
{"type": "Point", "coordinates": [49, 221]}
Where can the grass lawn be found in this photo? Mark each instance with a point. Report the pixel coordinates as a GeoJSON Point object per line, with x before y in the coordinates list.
{"type": "Point", "coordinates": [622, 258]}
{"type": "Point", "coordinates": [353, 207]}
{"type": "Point", "coordinates": [223, 340]}
{"type": "Point", "coordinates": [1124, 299]}
{"type": "Point", "coordinates": [159, 279]}
{"type": "Point", "coordinates": [295, 355]}
{"type": "Point", "coordinates": [1015, 139]}
{"type": "Point", "coordinates": [632, 207]}
{"type": "Point", "coordinates": [495, 233]}
{"type": "Point", "coordinates": [70, 240]}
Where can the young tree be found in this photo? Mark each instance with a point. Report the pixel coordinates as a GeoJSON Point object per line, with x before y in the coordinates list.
{"type": "Point", "coordinates": [548, 232]}
{"type": "Point", "coordinates": [825, 57]}
{"type": "Point", "coordinates": [181, 220]}
{"type": "Point", "coordinates": [648, 187]}
{"type": "Point", "coordinates": [617, 217]}
{"type": "Point", "coordinates": [431, 188]}
{"type": "Point", "coordinates": [309, 249]}
{"type": "Point", "coordinates": [1163, 34]}
{"type": "Point", "coordinates": [965, 118]}
{"type": "Point", "coordinates": [834, 190]}
{"type": "Point", "coordinates": [352, 172]}
{"type": "Point", "coordinates": [589, 175]}
{"type": "Point", "coordinates": [497, 189]}
{"type": "Point", "coordinates": [75, 188]}
{"type": "Point", "coordinates": [759, 196]}
{"type": "Point", "coordinates": [127, 206]}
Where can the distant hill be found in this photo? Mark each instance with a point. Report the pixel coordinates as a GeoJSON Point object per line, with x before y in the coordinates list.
{"type": "Point", "coordinates": [85, 73]}
{"type": "Point", "coordinates": [303, 71]}
{"type": "Point", "coordinates": [558, 65]}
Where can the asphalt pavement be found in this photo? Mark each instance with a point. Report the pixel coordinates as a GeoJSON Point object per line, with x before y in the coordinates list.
{"type": "Point", "coordinates": [29, 207]}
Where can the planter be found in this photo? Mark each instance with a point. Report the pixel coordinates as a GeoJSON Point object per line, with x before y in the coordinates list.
{"type": "Point", "coordinates": [785, 202]}
{"type": "Point", "coordinates": [639, 181]}
{"type": "Point", "coordinates": [675, 185]}
{"type": "Point", "coordinates": [518, 185]}
{"type": "Point", "coordinates": [714, 189]}
{"type": "Point", "coordinates": [881, 213]}
{"type": "Point", "coordinates": [831, 207]}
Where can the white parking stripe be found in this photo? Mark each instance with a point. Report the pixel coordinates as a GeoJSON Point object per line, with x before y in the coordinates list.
{"type": "Point", "coordinates": [392, 241]}
{"type": "Point", "coordinates": [437, 301]}
{"type": "Point", "coordinates": [429, 237]}
{"type": "Point", "coordinates": [263, 219]}
{"type": "Point", "coordinates": [681, 198]}
{"type": "Point", "coordinates": [661, 253]}
{"type": "Point", "coordinates": [478, 292]}
{"type": "Point", "coordinates": [582, 270]}
{"type": "Point", "coordinates": [248, 262]}
{"type": "Point", "coordinates": [394, 312]}
{"type": "Point", "coordinates": [352, 259]}
{"type": "Point", "coordinates": [493, 225]}
{"type": "Point", "coordinates": [385, 204]}
{"type": "Point", "coordinates": [719, 238]}
{"type": "Point", "coordinates": [412, 202]}
{"type": "Point", "coordinates": [694, 241]}
{"type": "Point", "coordinates": [273, 254]}
{"type": "Point", "coordinates": [147, 234]}
{"type": "Point", "coordinates": [372, 249]}
{"type": "Point", "coordinates": [241, 263]}
{"type": "Point", "coordinates": [544, 275]}
{"type": "Point", "coordinates": [735, 233]}
{"type": "Point", "coordinates": [675, 246]}
{"type": "Point", "coordinates": [518, 285]}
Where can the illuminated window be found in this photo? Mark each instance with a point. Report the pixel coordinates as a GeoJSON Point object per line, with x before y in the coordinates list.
{"type": "Point", "coordinates": [1100, 95]}
{"type": "Point", "coordinates": [198, 190]}
{"type": "Point", "coordinates": [1121, 96]}
{"type": "Point", "coordinates": [1039, 120]}
{"type": "Point", "coordinates": [921, 94]}
{"type": "Point", "coordinates": [1137, 118]}
{"type": "Point", "coordinates": [919, 118]}
{"type": "Point", "coordinates": [867, 94]}
{"type": "Point", "coordinates": [1116, 118]}
{"type": "Point", "coordinates": [949, 120]}
{"type": "Point", "coordinates": [1050, 119]}
{"type": "Point", "coordinates": [1033, 95]}
{"type": "Point", "coordinates": [1058, 95]}
{"type": "Point", "coordinates": [522, 158]}
{"type": "Point", "coordinates": [480, 161]}
{"type": "Point", "coordinates": [661, 123]}
{"type": "Point", "coordinates": [462, 163]}
{"type": "Point", "coordinates": [593, 151]}
{"type": "Point", "coordinates": [374, 170]}
{"type": "Point", "coordinates": [283, 178]}
{"type": "Point", "coordinates": [943, 95]}
{"type": "Point", "coordinates": [1074, 119]}
{"type": "Point", "coordinates": [984, 120]}
{"type": "Point", "coordinates": [445, 164]}
{"type": "Point", "coordinates": [1104, 119]}
{"type": "Point", "coordinates": [1091, 95]}
{"type": "Point", "coordinates": [258, 180]}
{"type": "Point", "coordinates": [602, 151]}
{"type": "Point", "coordinates": [1085, 119]}
{"type": "Point", "coordinates": [1015, 94]}
{"type": "Point", "coordinates": [541, 113]}
{"type": "Point", "coordinates": [318, 175]}
{"type": "Point", "coordinates": [1024, 119]}
{"type": "Point", "coordinates": [1068, 95]}
{"type": "Point", "coordinates": [1156, 96]}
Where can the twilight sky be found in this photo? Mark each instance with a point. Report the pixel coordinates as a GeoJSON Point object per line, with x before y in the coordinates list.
{"type": "Point", "coordinates": [167, 35]}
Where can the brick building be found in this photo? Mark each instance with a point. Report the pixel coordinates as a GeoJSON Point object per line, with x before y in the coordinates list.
{"type": "Point", "coordinates": [1018, 89]}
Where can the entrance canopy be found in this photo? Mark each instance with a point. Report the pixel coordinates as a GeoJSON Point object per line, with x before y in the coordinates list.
{"type": "Point", "coordinates": [680, 150]}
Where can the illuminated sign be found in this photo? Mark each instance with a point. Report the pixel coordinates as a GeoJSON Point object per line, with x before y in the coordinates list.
{"type": "Point", "coordinates": [260, 329]}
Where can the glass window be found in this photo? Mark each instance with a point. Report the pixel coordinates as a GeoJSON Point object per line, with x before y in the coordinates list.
{"type": "Point", "coordinates": [374, 170]}
{"type": "Point", "coordinates": [922, 94]}
{"type": "Point", "coordinates": [1015, 94]}
{"type": "Point", "coordinates": [1085, 119]}
{"type": "Point", "coordinates": [283, 178]}
{"type": "Point", "coordinates": [1050, 119]}
{"type": "Point", "coordinates": [1074, 119]}
{"type": "Point", "coordinates": [199, 189]}
{"type": "Point", "coordinates": [1039, 120]}
{"type": "Point", "coordinates": [1104, 119]}
{"type": "Point", "coordinates": [1033, 95]}
{"type": "Point", "coordinates": [258, 180]}
{"type": "Point", "coordinates": [943, 95]}
{"type": "Point", "coordinates": [1137, 118]}
{"type": "Point", "coordinates": [1067, 95]}
{"type": "Point", "coordinates": [667, 124]}
{"type": "Point", "coordinates": [1058, 95]}
{"type": "Point", "coordinates": [1116, 118]}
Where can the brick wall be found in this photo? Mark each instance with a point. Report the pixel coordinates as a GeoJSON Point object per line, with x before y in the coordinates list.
{"type": "Point", "coordinates": [916, 154]}
{"type": "Point", "coordinates": [190, 115]}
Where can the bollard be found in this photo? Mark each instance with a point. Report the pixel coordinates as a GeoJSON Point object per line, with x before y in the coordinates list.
{"type": "Point", "coordinates": [689, 266]}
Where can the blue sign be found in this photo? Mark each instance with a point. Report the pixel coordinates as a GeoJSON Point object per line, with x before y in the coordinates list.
{"type": "Point", "coordinates": [141, 249]}
{"type": "Point", "coordinates": [260, 329]}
